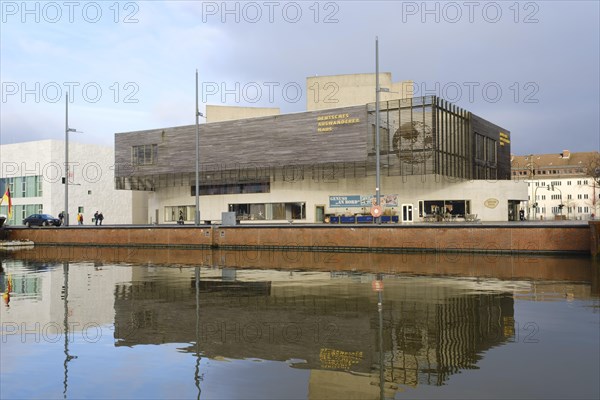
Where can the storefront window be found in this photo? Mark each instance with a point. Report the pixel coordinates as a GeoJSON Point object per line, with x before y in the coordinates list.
{"type": "Point", "coordinates": [269, 211]}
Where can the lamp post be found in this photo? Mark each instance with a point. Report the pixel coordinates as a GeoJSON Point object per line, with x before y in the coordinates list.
{"type": "Point", "coordinates": [530, 208]}
{"type": "Point", "coordinates": [377, 144]}
{"type": "Point", "coordinates": [197, 216]}
{"type": "Point", "coordinates": [67, 130]}
{"type": "Point", "coordinates": [198, 114]}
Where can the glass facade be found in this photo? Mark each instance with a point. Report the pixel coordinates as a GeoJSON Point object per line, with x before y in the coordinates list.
{"type": "Point", "coordinates": [22, 186]}
{"type": "Point", "coordinates": [269, 211]}
{"type": "Point", "coordinates": [419, 136]}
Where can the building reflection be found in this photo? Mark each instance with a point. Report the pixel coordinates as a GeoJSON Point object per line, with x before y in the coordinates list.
{"type": "Point", "coordinates": [428, 332]}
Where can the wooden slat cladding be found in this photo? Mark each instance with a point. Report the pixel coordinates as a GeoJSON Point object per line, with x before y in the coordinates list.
{"type": "Point", "coordinates": [292, 139]}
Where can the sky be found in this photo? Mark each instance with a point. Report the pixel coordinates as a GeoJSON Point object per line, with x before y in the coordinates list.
{"type": "Point", "coordinates": [532, 67]}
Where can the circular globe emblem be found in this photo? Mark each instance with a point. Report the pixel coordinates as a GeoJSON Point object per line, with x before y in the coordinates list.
{"type": "Point", "coordinates": [413, 142]}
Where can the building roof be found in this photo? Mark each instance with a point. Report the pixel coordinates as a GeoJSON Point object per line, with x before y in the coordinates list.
{"type": "Point", "coordinates": [559, 160]}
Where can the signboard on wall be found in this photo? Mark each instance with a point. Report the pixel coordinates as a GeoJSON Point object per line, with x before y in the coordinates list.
{"type": "Point", "coordinates": [390, 200]}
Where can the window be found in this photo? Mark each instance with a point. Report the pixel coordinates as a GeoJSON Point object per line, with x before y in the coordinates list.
{"type": "Point", "coordinates": [144, 154]}
{"type": "Point", "coordinates": [569, 196]}
{"type": "Point", "coordinates": [585, 196]}
{"type": "Point", "coordinates": [579, 196]}
{"type": "Point", "coordinates": [236, 188]}
{"type": "Point", "coordinates": [585, 182]}
{"type": "Point", "coordinates": [269, 211]}
{"type": "Point", "coordinates": [172, 213]}
{"type": "Point", "coordinates": [568, 183]}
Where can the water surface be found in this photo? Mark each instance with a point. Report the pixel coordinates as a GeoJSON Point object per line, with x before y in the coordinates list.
{"type": "Point", "coordinates": [148, 324]}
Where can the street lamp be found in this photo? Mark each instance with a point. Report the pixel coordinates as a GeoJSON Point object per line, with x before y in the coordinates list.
{"type": "Point", "coordinates": [530, 208]}
{"type": "Point", "coordinates": [377, 144]}
{"type": "Point", "coordinates": [67, 130]}
{"type": "Point", "coordinates": [198, 114]}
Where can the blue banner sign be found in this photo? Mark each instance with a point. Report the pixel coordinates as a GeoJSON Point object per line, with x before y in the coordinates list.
{"type": "Point", "coordinates": [345, 201]}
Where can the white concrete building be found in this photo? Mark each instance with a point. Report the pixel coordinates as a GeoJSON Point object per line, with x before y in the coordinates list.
{"type": "Point", "coordinates": [558, 179]}
{"type": "Point", "coordinates": [34, 172]}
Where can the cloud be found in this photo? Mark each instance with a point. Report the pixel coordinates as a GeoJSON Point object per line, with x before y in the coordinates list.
{"type": "Point", "coordinates": [552, 45]}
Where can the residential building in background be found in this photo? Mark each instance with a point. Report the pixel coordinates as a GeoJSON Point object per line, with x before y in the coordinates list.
{"type": "Point", "coordinates": [34, 171]}
{"type": "Point", "coordinates": [560, 185]}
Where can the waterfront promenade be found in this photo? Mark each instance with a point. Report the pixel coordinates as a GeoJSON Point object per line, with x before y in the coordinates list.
{"type": "Point", "coordinates": [555, 237]}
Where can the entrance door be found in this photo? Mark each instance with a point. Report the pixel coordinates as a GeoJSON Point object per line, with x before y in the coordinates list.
{"type": "Point", "coordinates": [514, 210]}
{"type": "Point", "coordinates": [319, 213]}
{"type": "Point", "coordinates": [407, 213]}
{"type": "Point", "coordinates": [156, 216]}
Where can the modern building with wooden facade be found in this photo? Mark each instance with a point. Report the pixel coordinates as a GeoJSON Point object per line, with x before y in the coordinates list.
{"type": "Point", "coordinates": [315, 166]}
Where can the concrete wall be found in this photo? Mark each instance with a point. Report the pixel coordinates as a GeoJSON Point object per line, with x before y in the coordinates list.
{"type": "Point", "coordinates": [230, 113]}
{"type": "Point", "coordinates": [332, 91]}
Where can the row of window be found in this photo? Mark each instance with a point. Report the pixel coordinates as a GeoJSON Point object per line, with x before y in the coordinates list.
{"type": "Point", "coordinates": [235, 188]}
{"type": "Point", "coordinates": [22, 186]}
{"type": "Point", "coordinates": [559, 197]}
{"type": "Point", "coordinates": [557, 210]}
{"type": "Point", "coordinates": [255, 211]}
{"type": "Point", "coordinates": [549, 172]}
{"type": "Point", "coordinates": [558, 183]}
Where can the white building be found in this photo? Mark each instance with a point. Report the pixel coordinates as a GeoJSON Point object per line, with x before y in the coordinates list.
{"type": "Point", "coordinates": [34, 172]}
{"type": "Point", "coordinates": [558, 179]}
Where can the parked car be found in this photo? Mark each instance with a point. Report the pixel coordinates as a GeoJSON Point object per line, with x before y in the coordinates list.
{"type": "Point", "coordinates": [41, 220]}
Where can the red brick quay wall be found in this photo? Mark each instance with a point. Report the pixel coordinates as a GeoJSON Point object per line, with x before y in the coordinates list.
{"type": "Point", "coordinates": [595, 238]}
{"type": "Point", "coordinates": [522, 238]}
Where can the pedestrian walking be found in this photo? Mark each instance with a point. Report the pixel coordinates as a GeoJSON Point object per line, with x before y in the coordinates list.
{"type": "Point", "coordinates": [80, 219]}
{"type": "Point", "coordinates": [100, 217]}
{"type": "Point", "coordinates": [96, 218]}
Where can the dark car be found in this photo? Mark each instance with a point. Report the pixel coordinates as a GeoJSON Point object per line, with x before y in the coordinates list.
{"type": "Point", "coordinates": [41, 220]}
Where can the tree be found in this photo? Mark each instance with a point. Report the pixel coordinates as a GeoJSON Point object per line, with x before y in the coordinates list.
{"type": "Point", "coordinates": [592, 169]}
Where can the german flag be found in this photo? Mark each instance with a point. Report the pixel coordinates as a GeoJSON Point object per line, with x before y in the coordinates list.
{"type": "Point", "coordinates": [6, 198]}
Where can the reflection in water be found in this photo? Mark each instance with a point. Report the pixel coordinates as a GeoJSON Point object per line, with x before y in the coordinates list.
{"type": "Point", "coordinates": [365, 335]}
{"type": "Point", "coordinates": [419, 334]}
{"type": "Point", "coordinates": [197, 376]}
